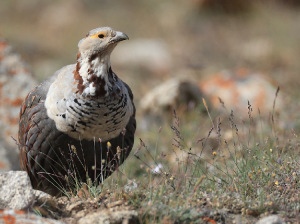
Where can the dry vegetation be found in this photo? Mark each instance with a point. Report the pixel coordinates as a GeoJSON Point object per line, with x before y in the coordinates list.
{"type": "Point", "coordinates": [214, 164]}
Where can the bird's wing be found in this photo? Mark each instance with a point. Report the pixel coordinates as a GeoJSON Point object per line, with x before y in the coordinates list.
{"type": "Point", "coordinates": [131, 126]}
{"type": "Point", "coordinates": [35, 127]}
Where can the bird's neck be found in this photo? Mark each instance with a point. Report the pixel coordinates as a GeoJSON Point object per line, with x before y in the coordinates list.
{"type": "Point", "coordinates": [91, 74]}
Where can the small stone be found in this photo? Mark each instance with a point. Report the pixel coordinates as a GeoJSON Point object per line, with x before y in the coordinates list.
{"type": "Point", "coordinates": [171, 94]}
{"type": "Point", "coordinates": [115, 203]}
{"type": "Point", "coordinates": [62, 200]}
{"type": "Point", "coordinates": [80, 214]}
{"type": "Point", "coordinates": [235, 88]}
{"type": "Point", "coordinates": [107, 217]}
{"type": "Point", "coordinates": [272, 219]}
{"type": "Point", "coordinates": [13, 216]}
{"type": "Point", "coordinates": [76, 207]}
{"type": "Point", "coordinates": [41, 195]}
{"type": "Point", "coordinates": [15, 190]}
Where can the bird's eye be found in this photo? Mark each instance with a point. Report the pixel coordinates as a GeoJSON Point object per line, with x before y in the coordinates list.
{"type": "Point", "coordinates": [101, 36]}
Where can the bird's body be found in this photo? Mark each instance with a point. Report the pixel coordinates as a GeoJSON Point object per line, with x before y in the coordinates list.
{"type": "Point", "coordinates": [63, 118]}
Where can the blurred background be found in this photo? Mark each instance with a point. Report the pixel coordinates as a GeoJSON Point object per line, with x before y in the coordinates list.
{"type": "Point", "coordinates": [236, 50]}
{"type": "Point", "coordinates": [167, 38]}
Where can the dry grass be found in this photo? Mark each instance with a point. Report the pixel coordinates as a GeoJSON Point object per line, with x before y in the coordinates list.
{"type": "Point", "coordinates": [255, 173]}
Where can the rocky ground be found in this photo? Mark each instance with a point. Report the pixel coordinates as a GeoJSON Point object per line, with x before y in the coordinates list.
{"type": "Point", "coordinates": [19, 203]}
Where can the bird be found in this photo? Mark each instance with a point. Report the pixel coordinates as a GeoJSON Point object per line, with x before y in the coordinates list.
{"type": "Point", "coordinates": [78, 125]}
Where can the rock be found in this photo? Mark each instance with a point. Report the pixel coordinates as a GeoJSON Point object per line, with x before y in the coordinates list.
{"type": "Point", "coordinates": [43, 199]}
{"type": "Point", "coordinates": [236, 88]}
{"type": "Point", "coordinates": [272, 219]}
{"type": "Point", "coordinates": [41, 195]}
{"type": "Point", "coordinates": [62, 201]}
{"type": "Point", "coordinates": [12, 216]}
{"type": "Point", "coordinates": [105, 217]}
{"type": "Point", "coordinates": [80, 214]}
{"type": "Point", "coordinates": [171, 94]}
{"type": "Point", "coordinates": [76, 207]}
{"type": "Point", "coordinates": [15, 190]}
{"type": "Point", "coordinates": [16, 80]}
{"type": "Point", "coordinates": [152, 55]}
{"type": "Point", "coordinates": [115, 203]}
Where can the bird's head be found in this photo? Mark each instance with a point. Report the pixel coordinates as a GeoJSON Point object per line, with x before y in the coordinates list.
{"type": "Point", "coordinates": [100, 41]}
